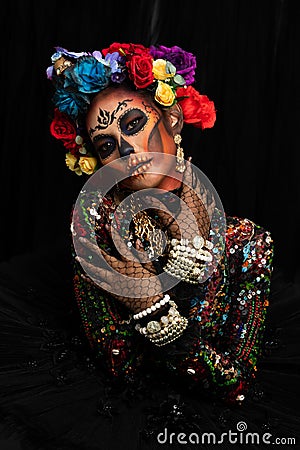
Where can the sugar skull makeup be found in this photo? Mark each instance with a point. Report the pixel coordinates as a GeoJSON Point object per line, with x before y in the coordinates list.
{"type": "Point", "coordinates": [121, 123]}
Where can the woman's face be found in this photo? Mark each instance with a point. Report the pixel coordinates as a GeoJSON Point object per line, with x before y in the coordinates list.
{"type": "Point", "coordinates": [121, 123]}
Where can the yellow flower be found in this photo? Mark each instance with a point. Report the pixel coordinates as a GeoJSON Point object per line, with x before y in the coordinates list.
{"type": "Point", "coordinates": [164, 94]}
{"type": "Point", "coordinates": [87, 164]}
{"type": "Point", "coordinates": [71, 162]}
{"type": "Point", "coordinates": [159, 70]}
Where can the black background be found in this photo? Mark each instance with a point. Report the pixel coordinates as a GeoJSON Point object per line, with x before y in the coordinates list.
{"type": "Point", "coordinates": [247, 64]}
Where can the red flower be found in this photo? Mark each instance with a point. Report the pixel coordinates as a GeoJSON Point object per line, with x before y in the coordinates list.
{"type": "Point", "coordinates": [63, 129]}
{"type": "Point", "coordinates": [138, 62]}
{"type": "Point", "coordinates": [128, 49]}
{"type": "Point", "coordinates": [197, 109]}
{"type": "Point", "coordinates": [140, 70]}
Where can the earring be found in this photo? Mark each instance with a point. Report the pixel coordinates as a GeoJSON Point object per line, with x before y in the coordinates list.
{"type": "Point", "coordinates": [180, 164]}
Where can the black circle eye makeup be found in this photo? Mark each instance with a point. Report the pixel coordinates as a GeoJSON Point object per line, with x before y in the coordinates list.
{"type": "Point", "coordinates": [132, 121]}
{"type": "Point", "coordinates": [105, 145]}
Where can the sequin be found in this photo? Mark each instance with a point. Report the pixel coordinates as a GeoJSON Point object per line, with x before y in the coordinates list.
{"type": "Point", "coordinates": [226, 312]}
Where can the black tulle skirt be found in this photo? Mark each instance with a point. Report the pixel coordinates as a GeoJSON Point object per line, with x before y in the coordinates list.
{"type": "Point", "coordinates": [53, 395]}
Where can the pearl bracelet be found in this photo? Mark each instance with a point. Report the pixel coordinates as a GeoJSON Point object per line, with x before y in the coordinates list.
{"type": "Point", "coordinates": [187, 258]}
{"type": "Point", "coordinates": [167, 329]}
{"type": "Point", "coordinates": [153, 308]}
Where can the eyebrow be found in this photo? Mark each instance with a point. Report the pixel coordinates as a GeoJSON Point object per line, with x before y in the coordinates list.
{"type": "Point", "coordinates": [98, 137]}
{"type": "Point", "coordinates": [106, 118]}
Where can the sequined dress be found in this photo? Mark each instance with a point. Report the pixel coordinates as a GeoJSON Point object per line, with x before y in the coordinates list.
{"type": "Point", "coordinates": [75, 373]}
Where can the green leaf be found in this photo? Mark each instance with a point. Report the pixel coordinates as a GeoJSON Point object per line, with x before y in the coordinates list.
{"type": "Point", "coordinates": [170, 68]}
{"type": "Point", "coordinates": [179, 80]}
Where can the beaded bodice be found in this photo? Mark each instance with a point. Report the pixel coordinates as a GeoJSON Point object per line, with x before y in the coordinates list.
{"type": "Point", "coordinates": [226, 315]}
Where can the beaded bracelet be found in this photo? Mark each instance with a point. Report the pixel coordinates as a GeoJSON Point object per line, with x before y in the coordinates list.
{"type": "Point", "coordinates": [153, 308]}
{"type": "Point", "coordinates": [187, 258]}
{"type": "Point", "coordinates": [167, 329]}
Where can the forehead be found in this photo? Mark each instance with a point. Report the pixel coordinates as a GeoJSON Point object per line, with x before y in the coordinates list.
{"type": "Point", "coordinates": [118, 98]}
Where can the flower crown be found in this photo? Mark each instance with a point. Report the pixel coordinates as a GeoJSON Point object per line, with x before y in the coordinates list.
{"type": "Point", "coordinates": [167, 73]}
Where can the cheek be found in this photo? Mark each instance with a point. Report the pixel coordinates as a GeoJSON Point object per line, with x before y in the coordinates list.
{"type": "Point", "coordinates": [155, 143]}
{"type": "Point", "coordinates": [161, 141]}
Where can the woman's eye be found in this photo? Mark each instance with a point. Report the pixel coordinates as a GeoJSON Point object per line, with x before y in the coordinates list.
{"type": "Point", "coordinates": [133, 121]}
{"type": "Point", "coordinates": [106, 149]}
{"type": "Point", "coordinates": [133, 124]}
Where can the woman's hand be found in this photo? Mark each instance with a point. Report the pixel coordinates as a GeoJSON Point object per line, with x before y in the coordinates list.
{"type": "Point", "coordinates": [193, 218]}
{"type": "Point", "coordinates": [137, 283]}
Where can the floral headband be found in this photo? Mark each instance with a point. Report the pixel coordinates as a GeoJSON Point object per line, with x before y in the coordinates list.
{"type": "Point", "coordinates": [167, 73]}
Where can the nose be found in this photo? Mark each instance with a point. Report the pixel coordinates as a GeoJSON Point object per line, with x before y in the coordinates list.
{"type": "Point", "coordinates": [125, 148]}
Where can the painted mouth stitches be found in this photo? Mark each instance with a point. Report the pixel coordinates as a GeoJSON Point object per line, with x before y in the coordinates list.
{"type": "Point", "coordinates": [139, 167]}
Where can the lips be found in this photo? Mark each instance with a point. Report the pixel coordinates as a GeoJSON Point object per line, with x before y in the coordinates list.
{"type": "Point", "coordinates": [138, 164]}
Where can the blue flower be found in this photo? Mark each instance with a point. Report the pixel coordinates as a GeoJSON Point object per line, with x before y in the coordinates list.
{"type": "Point", "coordinates": [88, 76]}
{"type": "Point", "coordinates": [71, 103]}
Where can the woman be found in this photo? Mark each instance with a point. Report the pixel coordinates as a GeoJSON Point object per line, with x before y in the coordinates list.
{"type": "Point", "coordinates": [137, 116]}
{"type": "Point", "coordinates": [172, 293]}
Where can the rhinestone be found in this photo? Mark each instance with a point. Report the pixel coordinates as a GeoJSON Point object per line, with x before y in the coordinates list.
{"type": "Point", "coordinates": [209, 245]}
{"type": "Point", "coordinates": [153, 326]}
{"type": "Point", "coordinates": [172, 311]}
{"type": "Point", "coordinates": [198, 242]}
{"type": "Point", "coordinates": [164, 320]}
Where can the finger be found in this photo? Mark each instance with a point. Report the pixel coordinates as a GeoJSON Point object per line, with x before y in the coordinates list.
{"type": "Point", "coordinates": [105, 286]}
{"type": "Point", "coordinates": [98, 252]}
{"type": "Point", "coordinates": [93, 270]}
{"type": "Point", "coordinates": [89, 245]}
{"type": "Point", "coordinates": [98, 275]}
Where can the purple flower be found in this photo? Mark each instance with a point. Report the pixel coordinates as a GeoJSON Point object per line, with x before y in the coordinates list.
{"type": "Point", "coordinates": [118, 77]}
{"type": "Point", "coordinates": [184, 62]}
{"type": "Point", "coordinates": [116, 62]}
{"type": "Point", "coordinates": [112, 61]}
{"type": "Point", "coordinates": [49, 72]}
{"type": "Point", "coordinates": [98, 56]}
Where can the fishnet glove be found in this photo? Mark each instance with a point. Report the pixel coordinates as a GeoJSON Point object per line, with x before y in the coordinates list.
{"type": "Point", "coordinates": [137, 282]}
{"type": "Point", "coordinates": [194, 216]}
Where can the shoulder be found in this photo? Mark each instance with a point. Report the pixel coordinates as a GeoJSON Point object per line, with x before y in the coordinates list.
{"type": "Point", "coordinates": [248, 243]}
{"type": "Point", "coordinates": [240, 231]}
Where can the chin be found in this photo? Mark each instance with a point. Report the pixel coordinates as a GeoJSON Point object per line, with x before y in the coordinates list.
{"type": "Point", "coordinates": [143, 181]}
